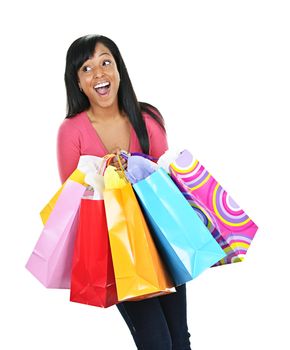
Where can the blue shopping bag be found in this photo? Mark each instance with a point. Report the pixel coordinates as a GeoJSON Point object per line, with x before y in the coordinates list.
{"type": "Point", "coordinates": [183, 241]}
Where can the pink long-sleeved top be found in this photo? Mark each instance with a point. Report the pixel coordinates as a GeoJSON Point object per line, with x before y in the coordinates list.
{"type": "Point", "coordinates": [77, 136]}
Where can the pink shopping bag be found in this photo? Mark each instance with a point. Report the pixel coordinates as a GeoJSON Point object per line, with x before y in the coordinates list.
{"type": "Point", "coordinates": [51, 259]}
{"type": "Point", "coordinates": [229, 224]}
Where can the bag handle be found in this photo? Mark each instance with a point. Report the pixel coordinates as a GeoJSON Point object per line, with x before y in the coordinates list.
{"type": "Point", "coordinates": [121, 172]}
{"type": "Point", "coordinates": [126, 155]}
{"type": "Point", "coordinates": [105, 162]}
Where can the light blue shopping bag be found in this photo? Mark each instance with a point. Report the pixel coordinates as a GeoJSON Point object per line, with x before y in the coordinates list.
{"type": "Point", "coordinates": [183, 241]}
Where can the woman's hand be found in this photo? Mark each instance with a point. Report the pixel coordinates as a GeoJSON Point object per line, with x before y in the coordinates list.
{"type": "Point", "coordinates": [114, 162]}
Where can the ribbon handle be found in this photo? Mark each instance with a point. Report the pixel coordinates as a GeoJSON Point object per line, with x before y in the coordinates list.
{"type": "Point", "coordinates": [126, 155]}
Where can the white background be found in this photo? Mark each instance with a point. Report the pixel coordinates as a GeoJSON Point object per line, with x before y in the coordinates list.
{"type": "Point", "coordinates": [219, 72]}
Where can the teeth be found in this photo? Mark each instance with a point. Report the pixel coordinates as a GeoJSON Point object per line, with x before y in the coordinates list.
{"type": "Point", "coordinates": [101, 85]}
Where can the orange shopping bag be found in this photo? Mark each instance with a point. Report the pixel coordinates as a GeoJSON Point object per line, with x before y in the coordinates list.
{"type": "Point", "coordinates": [139, 270]}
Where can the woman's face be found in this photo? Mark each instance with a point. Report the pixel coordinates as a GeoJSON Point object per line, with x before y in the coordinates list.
{"type": "Point", "coordinates": [99, 78]}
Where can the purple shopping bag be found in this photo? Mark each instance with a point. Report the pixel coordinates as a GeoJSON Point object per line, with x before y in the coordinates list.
{"type": "Point", "coordinates": [51, 259]}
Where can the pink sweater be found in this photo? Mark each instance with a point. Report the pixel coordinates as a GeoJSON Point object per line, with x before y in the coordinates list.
{"type": "Point", "coordinates": [76, 137]}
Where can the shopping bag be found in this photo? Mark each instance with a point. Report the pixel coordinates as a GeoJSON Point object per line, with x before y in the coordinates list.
{"type": "Point", "coordinates": [86, 165]}
{"type": "Point", "coordinates": [185, 243]}
{"type": "Point", "coordinates": [229, 224]}
{"type": "Point", "coordinates": [50, 261]}
{"type": "Point", "coordinates": [93, 280]}
{"type": "Point", "coordinates": [139, 270]}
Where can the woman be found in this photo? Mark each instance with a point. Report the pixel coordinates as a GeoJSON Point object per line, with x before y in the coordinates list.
{"type": "Point", "coordinates": [104, 116]}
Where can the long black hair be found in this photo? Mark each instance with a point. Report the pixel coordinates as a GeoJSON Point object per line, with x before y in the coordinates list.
{"type": "Point", "coordinates": [81, 50]}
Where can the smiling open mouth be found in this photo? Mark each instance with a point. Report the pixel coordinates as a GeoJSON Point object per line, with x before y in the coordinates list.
{"type": "Point", "coordinates": [102, 88]}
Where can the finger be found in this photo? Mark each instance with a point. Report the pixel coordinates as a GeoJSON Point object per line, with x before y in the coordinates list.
{"type": "Point", "coordinates": [113, 162]}
{"type": "Point", "coordinates": [116, 150]}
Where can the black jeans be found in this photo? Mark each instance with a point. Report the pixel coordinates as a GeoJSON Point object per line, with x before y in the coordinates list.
{"type": "Point", "coordinates": [158, 323]}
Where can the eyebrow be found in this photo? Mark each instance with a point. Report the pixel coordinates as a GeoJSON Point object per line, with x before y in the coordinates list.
{"type": "Point", "coordinates": [102, 54]}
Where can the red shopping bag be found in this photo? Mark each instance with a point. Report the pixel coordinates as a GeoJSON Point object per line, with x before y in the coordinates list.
{"type": "Point", "coordinates": [93, 279]}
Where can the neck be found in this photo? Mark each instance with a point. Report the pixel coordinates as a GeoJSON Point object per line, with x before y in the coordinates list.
{"type": "Point", "coordinates": [100, 114]}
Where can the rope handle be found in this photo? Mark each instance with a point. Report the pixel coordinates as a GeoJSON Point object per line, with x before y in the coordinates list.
{"type": "Point", "coordinates": [122, 170]}
{"type": "Point", "coordinates": [105, 163]}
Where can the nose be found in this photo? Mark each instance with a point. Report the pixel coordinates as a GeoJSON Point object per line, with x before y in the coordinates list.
{"type": "Point", "coordinates": [98, 72]}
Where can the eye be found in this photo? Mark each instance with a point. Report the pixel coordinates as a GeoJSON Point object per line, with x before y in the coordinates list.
{"type": "Point", "coordinates": [86, 69]}
{"type": "Point", "coordinates": [106, 62]}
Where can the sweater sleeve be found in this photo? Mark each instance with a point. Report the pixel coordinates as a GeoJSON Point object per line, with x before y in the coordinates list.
{"type": "Point", "coordinates": [68, 150]}
{"type": "Point", "coordinates": [157, 138]}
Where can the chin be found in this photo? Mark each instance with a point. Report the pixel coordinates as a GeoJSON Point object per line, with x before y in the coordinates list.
{"type": "Point", "coordinates": [106, 104]}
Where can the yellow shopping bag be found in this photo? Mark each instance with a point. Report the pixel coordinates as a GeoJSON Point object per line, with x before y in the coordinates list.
{"type": "Point", "coordinates": [139, 271]}
{"type": "Point", "coordinates": [86, 165]}
{"type": "Point", "coordinates": [76, 176]}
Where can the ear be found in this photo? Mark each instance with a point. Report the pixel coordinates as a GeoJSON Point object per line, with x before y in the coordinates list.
{"type": "Point", "coordinates": [80, 86]}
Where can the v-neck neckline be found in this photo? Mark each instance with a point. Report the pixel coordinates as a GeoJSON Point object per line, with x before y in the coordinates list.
{"type": "Point", "coordinates": [97, 136]}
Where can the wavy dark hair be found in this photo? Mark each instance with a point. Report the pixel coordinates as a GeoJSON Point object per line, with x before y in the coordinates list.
{"type": "Point", "coordinates": [81, 50]}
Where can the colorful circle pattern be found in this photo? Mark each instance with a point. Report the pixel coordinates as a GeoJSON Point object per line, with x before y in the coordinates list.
{"type": "Point", "coordinates": [226, 209]}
